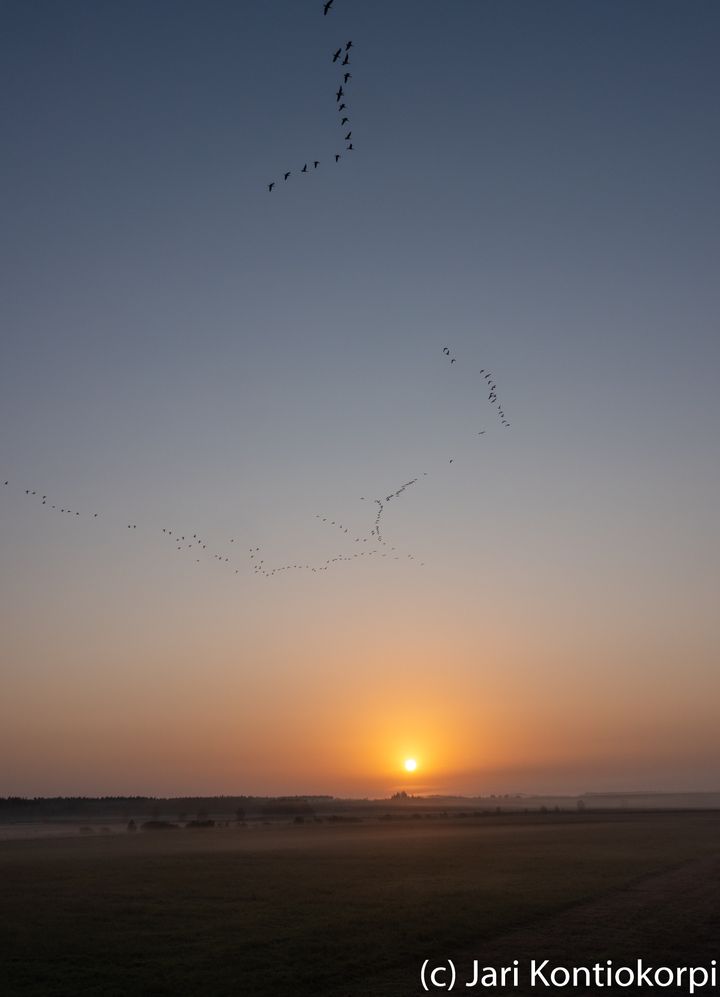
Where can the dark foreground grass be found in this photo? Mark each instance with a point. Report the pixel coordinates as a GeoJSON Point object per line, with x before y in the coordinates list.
{"type": "Point", "coordinates": [307, 909]}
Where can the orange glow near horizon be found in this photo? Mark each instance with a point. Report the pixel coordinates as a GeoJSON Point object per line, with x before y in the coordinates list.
{"type": "Point", "coordinates": [496, 720]}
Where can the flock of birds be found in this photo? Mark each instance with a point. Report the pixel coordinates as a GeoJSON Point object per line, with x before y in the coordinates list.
{"type": "Point", "coordinates": [341, 56]}
{"type": "Point", "coordinates": [195, 545]}
{"type": "Point", "coordinates": [200, 549]}
{"type": "Point", "coordinates": [492, 397]}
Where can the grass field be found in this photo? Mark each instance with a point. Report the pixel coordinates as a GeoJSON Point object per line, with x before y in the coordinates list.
{"type": "Point", "coordinates": [346, 909]}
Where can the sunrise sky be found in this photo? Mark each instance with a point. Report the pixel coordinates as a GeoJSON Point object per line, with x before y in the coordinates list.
{"type": "Point", "coordinates": [533, 186]}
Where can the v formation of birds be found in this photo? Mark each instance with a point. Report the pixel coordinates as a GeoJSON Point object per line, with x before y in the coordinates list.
{"type": "Point", "coordinates": [341, 57]}
{"type": "Point", "coordinates": [194, 544]}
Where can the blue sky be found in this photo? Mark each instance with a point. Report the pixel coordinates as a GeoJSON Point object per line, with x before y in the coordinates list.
{"type": "Point", "coordinates": [533, 185]}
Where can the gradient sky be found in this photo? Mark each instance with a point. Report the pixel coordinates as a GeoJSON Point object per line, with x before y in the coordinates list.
{"type": "Point", "coordinates": [533, 185]}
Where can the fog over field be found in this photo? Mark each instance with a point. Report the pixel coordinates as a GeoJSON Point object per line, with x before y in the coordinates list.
{"type": "Point", "coordinates": [342, 908]}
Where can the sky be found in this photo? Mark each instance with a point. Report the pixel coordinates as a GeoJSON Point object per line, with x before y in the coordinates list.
{"type": "Point", "coordinates": [531, 186]}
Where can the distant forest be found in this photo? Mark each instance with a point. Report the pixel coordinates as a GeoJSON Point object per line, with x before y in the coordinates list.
{"type": "Point", "coordinates": [109, 808]}
{"type": "Point", "coordinates": [125, 807]}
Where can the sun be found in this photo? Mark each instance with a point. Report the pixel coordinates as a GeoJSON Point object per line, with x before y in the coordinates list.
{"type": "Point", "coordinates": [410, 764]}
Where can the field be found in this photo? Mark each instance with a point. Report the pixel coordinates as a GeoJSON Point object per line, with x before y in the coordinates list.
{"type": "Point", "coordinates": [353, 909]}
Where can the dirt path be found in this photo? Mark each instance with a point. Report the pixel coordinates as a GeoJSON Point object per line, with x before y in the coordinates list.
{"type": "Point", "coordinates": [668, 919]}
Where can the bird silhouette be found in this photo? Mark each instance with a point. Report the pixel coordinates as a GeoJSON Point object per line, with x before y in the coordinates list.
{"type": "Point", "coordinates": [348, 76]}
{"type": "Point", "coordinates": [337, 156]}
{"type": "Point", "coordinates": [287, 174]}
{"type": "Point", "coordinates": [327, 7]}
{"type": "Point", "coordinates": [344, 121]}
{"type": "Point", "coordinates": [304, 169]}
{"type": "Point", "coordinates": [348, 46]}
{"type": "Point", "coordinates": [346, 60]}
{"type": "Point", "coordinates": [337, 55]}
{"type": "Point", "coordinates": [347, 137]}
{"type": "Point", "coordinates": [271, 185]}
{"type": "Point", "coordinates": [342, 107]}
{"type": "Point", "coordinates": [316, 163]}
{"type": "Point", "coordinates": [350, 146]}
{"type": "Point", "coordinates": [339, 94]}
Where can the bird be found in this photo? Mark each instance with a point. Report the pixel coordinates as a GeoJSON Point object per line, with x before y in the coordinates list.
{"type": "Point", "coordinates": [271, 185]}
{"type": "Point", "coordinates": [339, 94]}
{"type": "Point", "coordinates": [348, 46]}
{"type": "Point", "coordinates": [348, 76]}
{"type": "Point", "coordinates": [346, 60]}
{"type": "Point", "coordinates": [337, 55]}
{"type": "Point", "coordinates": [347, 137]}
{"type": "Point", "coordinates": [337, 156]}
{"type": "Point", "coordinates": [287, 174]}
{"type": "Point", "coordinates": [344, 121]}
{"type": "Point", "coordinates": [342, 107]}
{"type": "Point", "coordinates": [304, 169]}
{"type": "Point", "coordinates": [350, 146]}
{"type": "Point", "coordinates": [316, 163]}
{"type": "Point", "coordinates": [327, 7]}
